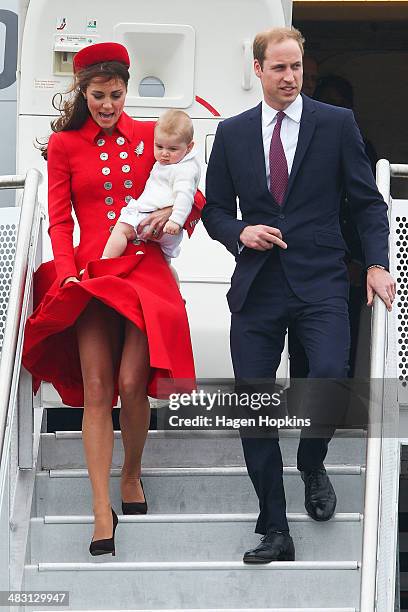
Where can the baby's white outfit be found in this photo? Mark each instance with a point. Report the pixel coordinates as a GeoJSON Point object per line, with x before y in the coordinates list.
{"type": "Point", "coordinates": [168, 185]}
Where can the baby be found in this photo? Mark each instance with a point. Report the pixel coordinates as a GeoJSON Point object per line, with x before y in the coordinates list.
{"type": "Point", "coordinates": [173, 181]}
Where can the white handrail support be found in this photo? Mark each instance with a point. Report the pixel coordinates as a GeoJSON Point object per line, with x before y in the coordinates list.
{"type": "Point", "coordinates": [382, 471]}
{"type": "Point", "coordinates": [17, 303]}
{"type": "Point", "coordinates": [374, 433]}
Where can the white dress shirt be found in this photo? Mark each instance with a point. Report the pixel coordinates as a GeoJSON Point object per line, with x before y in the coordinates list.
{"type": "Point", "coordinates": [289, 130]}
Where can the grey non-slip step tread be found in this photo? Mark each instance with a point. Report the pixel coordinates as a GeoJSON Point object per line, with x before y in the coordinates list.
{"type": "Point", "coordinates": [191, 518]}
{"type": "Point", "coordinates": [224, 610]}
{"type": "Point", "coordinates": [108, 586]}
{"type": "Point", "coordinates": [228, 490]}
{"type": "Point", "coordinates": [205, 434]}
{"type": "Point", "coordinates": [144, 539]}
{"type": "Point", "coordinates": [190, 448]}
{"type": "Point", "coordinates": [286, 609]}
{"type": "Point", "coordinates": [175, 566]}
{"type": "Point", "coordinates": [203, 471]}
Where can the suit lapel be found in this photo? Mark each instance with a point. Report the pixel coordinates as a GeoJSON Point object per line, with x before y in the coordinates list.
{"type": "Point", "coordinates": [255, 145]}
{"type": "Point", "coordinates": [306, 131]}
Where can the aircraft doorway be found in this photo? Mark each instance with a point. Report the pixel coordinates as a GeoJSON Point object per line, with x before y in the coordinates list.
{"type": "Point", "coordinates": [366, 43]}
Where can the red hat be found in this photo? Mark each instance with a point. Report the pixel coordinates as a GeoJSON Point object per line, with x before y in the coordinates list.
{"type": "Point", "coordinates": [101, 52]}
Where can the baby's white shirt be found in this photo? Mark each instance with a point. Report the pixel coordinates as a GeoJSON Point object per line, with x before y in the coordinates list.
{"type": "Point", "coordinates": [171, 185]}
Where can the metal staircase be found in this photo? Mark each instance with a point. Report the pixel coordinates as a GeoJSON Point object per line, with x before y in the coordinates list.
{"type": "Point", "coordinates": [186, 554]}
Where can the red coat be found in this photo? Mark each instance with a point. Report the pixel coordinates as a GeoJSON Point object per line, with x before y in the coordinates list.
{"type": "Point", "coordinates": [97, 173]}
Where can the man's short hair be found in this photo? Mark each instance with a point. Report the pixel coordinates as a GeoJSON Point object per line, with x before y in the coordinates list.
{"type": "Point", "coordinates": [176, 122]}
{"type": "Point", "coordinates": [275, 35]}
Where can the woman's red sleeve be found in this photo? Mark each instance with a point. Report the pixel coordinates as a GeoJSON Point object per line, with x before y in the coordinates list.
{"type": "Point", "coordinates": [195, 214]}
{"type": "Point", "coordinates": [61, 226]}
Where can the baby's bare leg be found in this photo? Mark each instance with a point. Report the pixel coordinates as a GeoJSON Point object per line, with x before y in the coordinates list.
{"type": "Point", "coordinates": [174, 273]}
{"type": "Point", "coordinates": [117, 243]}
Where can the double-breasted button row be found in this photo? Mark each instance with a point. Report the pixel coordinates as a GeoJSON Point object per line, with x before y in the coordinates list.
{"type": "Point", "coordinates": [106, 170]}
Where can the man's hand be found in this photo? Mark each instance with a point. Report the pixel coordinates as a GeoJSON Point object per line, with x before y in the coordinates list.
{"type": "Point", "coordinates": [151, 228]}
{"type": "Point", "coordinates": [380, 282]}
{"type": "Point", "coordinates": [171, 228]}
{"type": "Point", "coordinates": [262, 237]}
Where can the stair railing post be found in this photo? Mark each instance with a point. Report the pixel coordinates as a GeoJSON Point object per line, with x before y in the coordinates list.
{"type": "Point", "coordinates": [374, 433]}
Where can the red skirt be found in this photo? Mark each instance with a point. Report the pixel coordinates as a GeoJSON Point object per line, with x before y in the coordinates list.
{"type": "Point", "coordinates": [139, 287]}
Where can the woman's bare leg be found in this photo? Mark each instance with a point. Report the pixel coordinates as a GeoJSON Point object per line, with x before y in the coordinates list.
{"type": "Point", "coordinates": [135, 410]}
{"type": "Point", "coordinates": [96, 328]}
{"type": "Point", "coordinates": [118, 240]}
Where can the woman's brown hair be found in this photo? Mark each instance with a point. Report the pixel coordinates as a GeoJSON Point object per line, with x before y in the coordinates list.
{"type": "Point", "coordinates": [74, 109]}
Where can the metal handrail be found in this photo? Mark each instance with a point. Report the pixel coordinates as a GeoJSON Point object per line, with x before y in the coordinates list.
{"type": "Point", "coordinates": [18, 297]}
{"type": "Point", "coordinates": [375, 427]}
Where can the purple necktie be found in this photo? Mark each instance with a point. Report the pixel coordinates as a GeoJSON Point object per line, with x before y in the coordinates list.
{"type": "Point", "coordinates": [278, 165]}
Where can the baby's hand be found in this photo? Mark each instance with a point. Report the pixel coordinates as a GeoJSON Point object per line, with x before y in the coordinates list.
{"type": "Point", "coordinates": [171, 228]}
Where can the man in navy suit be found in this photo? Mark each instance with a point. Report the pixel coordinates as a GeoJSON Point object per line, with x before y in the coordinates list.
{"type": "Point", "coordinates": [288, 161]}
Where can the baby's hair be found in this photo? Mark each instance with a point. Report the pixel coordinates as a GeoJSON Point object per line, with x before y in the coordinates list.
{"type": "Point", "coordinates": [176, 122]}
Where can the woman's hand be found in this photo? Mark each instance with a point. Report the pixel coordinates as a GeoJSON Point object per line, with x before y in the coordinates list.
{"type": "Point", "coordinates": [70, 279]}
{"type": "Point", "coordinates": [151, 228]}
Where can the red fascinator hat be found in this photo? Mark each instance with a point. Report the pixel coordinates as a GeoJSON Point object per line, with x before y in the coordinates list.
{"type": "Point", "coordinates": [101, 52]}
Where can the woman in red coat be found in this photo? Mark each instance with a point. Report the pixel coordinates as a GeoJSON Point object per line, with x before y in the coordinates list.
{"type": "Point", "coordinates": [114, 326]}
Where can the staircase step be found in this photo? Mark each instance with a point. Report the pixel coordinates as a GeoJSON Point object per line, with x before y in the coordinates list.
{"type": "Point", "coordinates": [106, 585]}
{"type": "Point", "coordinates": [191, 490]}
{"type": "Point", "coordinates": [192, 537]}
{"type": "Point", "coordinates": [225, 610]}
{"type": "Point", "coordinates": [193, 449]}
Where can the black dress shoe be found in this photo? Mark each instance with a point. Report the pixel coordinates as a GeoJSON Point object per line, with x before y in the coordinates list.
{"type": "Point", "coordinates": [320, 498]}
{"type": "Point", "coordinates": [135, 507]}
{"type": "Point", "coordinates": [274, 546]}
{"type": "Point", "coordinates": [106, 546]}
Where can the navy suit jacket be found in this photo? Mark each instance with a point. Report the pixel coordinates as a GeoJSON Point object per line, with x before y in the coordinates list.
{"type": "Point", "coordinates": [329, 159]}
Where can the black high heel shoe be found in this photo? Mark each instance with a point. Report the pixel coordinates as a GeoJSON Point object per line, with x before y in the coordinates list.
{"type": "Point", "coordinates": [135, 507]}
{"type": "Point", "coordinates": [106, 546]}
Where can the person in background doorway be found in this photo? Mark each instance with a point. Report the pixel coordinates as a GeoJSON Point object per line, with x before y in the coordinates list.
{"type": "Point", "coordinates": [310, 75]}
